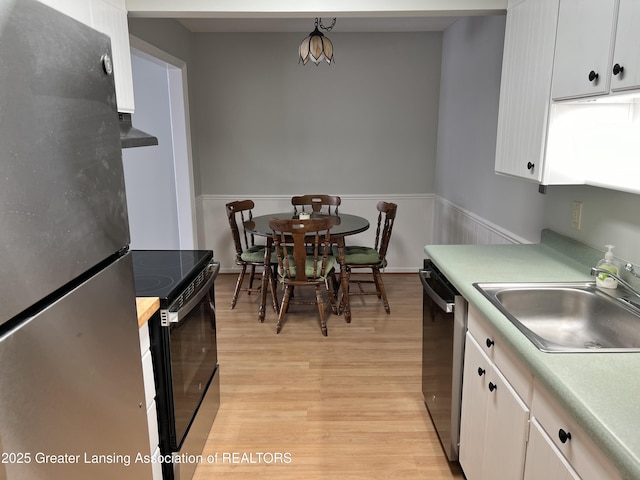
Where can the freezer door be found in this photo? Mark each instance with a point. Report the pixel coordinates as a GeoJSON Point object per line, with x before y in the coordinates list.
{"type": "Point", "coordinates": [71, 387]}
{"type": "Point", "coordinates": [62, 197]}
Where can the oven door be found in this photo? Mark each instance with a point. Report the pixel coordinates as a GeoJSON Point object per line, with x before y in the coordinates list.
{"type": "Point", "coordinates": [185, 360]}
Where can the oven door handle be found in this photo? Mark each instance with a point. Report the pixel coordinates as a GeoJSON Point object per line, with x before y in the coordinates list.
{"type": "Point", "coordinates": [443, 304]}
{"type": "Point", "coordinates": [174, 316]}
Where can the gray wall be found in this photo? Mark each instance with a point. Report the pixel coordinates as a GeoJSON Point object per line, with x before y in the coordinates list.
{"type": "Point", "coordinates": [471, 64]}
{"type": "Point", "coordinates": [171, 37]}
{"type": "Point", "coordinates": [238, 78]}
{"type": "Point", "coordinates": [268, 125]}
{"type": "Point", "coordinates": [469, 95]}
{"type": "Point", "coordinates": [607, 217]}
{"type": "Point", "coordinates": [149, 171]}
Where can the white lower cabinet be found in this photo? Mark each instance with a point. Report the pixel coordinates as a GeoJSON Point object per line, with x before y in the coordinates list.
{"type": "Point", "coordinates": [495, 420]}
{"type": "Point", "coordinates": [511, 427]}
{"type": "Point", "coordinates": [544, 460]}
{"type": "Point", "coordinates": [571, 444]}
{"type": "Point", "coordinates": [150, 399]}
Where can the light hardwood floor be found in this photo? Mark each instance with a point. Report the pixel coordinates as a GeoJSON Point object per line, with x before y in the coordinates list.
{"type": "Point", "coordinates": [298, 405]}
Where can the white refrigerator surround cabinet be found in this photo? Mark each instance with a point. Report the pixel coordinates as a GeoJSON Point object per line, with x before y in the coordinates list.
{"type": "Point", "coordinates": [110, 18]}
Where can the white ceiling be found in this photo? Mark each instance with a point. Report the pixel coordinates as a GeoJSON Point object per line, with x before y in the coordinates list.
{"type": "Point", "coordinates": [306, 25]}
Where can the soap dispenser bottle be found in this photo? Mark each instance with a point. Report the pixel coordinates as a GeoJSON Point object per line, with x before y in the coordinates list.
{"type": "Point", "coordinates": [607, 263]}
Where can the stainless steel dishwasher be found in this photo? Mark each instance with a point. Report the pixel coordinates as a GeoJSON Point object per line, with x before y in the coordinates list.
{"type": "Point", "coordinates": [444, 322]}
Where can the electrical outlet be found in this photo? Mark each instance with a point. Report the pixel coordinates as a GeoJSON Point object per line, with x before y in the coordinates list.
{"type": "Point", "coordinates": [576, 215]}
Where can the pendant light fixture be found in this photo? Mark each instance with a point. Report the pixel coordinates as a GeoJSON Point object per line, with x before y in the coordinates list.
{"type": "Point", "coordinates": [316, 47]}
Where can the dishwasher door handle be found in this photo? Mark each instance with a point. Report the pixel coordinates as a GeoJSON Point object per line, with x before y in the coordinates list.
{"type": "Point", "coordinates": [445, 306]}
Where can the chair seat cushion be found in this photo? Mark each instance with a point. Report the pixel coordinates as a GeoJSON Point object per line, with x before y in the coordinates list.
{"type": "Point", "coordinates": [255, 254]}
{"type": "Point", "coordinates": [308, 269]}
{"type": "Point", "coordinates": [359, 255]}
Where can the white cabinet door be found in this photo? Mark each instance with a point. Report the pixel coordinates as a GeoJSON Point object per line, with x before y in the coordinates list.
{"type": "Point", "coordinates": [507, 430]}
{"type": "Point", "coordinates": [544, 461]}
{"type": "Point", "coordinates": [78, 9]}
{"type": "Point", "coordinates": [474, 410]}
{"type": "Point", "coordinates": [586, 29]}
{"type": "Point", "coordinates": [112, 20]}
{"type": "Point", "coordinates": [627, 47]}
{"type": "Point", "coordinates": [494, 425]}
{"type": "Point", "coordinates": [573, 443]}
{"type": "Point", "coordinates": [527, 67]}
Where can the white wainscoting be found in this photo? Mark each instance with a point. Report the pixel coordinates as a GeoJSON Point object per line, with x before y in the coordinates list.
{"type": "Point", "coordinates": [413, 228]}
{"type": "Point", "coordinates": [456, 226]}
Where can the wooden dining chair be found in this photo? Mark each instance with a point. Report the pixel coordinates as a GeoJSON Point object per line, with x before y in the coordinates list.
{"type": "Point", "coordinates": [316, 203]}
{"type": "Point", "coordinates": [373, 258]}
{"type": "Point", "coordinates": [248, 254]}
{"type": "Point", "coordinates": [298, 268]}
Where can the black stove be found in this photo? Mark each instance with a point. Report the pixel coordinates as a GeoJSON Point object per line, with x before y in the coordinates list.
{"type": "Point", "coordinates": [183, 348]}
{"type": "Point", "coordinates": [166, 273]}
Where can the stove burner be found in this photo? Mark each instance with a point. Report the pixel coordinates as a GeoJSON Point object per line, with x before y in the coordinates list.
{"type": "Point", "coordinates": [151, 283]}
{"type": "Point", "coordinates": [165, 273]}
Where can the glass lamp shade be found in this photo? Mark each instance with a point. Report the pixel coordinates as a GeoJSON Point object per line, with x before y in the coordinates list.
{"type": "Point", "coordinates": [316, 47]}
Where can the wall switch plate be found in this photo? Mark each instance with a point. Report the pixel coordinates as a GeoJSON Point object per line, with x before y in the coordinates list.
{"type": "Point", "coordinates": [576, 215]}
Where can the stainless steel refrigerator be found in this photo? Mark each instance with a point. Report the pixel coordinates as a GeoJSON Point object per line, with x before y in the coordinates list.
{"type": "Point", "coordinates": [71, 391]}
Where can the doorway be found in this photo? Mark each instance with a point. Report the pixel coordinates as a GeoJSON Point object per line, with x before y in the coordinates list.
{"type": "Point", "coordinates": [158, 179]}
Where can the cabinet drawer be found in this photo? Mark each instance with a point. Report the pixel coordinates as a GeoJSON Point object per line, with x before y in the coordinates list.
{"type": "Point", "coordinates": [576, 446]}
{"type": "Point", "coordinates": [481, 331]}
{"type": "Point", "coordinates": [502, 356]}
{"type": "Point", "coordinates": [544, 460]}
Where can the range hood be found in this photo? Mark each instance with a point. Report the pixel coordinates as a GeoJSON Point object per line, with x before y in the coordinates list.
{"type": "Point", "coordinates": [132, 137]}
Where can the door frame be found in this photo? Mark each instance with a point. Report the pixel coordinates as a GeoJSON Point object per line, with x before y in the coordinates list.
{"type": "Point", "coordinates": [181, 130]}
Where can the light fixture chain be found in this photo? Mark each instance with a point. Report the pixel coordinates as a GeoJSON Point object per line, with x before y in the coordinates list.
{"type": "Point", "coordinates": [327, 29]}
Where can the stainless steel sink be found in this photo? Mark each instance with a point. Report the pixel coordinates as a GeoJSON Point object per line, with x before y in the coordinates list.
{"type": "Point", "coordinates": [568, 317]}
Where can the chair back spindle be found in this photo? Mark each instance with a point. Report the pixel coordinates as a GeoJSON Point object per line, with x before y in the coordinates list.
{"type": "Point", "coordinates": [299, 266]}
{"type": "Point", "coordinates": [315, 203]}
{"type": "Point", "coordinates": [248, 254]}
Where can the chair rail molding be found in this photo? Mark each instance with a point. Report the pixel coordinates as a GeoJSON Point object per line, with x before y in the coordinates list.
{"type": "Point", "coordinates": [412, 231]}
{"type": "Point", "coordinates": [458, 226]}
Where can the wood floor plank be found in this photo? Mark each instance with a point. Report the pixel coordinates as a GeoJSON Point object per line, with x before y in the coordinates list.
{"type": "Point", "coordinates": [298, 405]}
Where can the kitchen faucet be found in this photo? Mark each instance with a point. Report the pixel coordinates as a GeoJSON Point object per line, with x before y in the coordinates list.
{"type": "Point", "coordinates": [631, 269]}
{"type": "Point", "coordinates": [596, 271]}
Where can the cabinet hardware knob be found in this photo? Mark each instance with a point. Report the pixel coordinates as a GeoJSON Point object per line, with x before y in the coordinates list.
{"type": "Point", "coordinates": [489, 343]}
{"type": "Point", "coordinates": [530, 165]}
{"type": "Point", "coordinates": [492, 386]}
{"type": "Point", "coordinates": [593, 76]}
{"type": "Point", "coordinates": [480, 372]}
{"type": "Point", "coordinates": [617, 68]}
{"type": "Point", "coordinates": [564, 436]}
{"type": "Point", "coordinates": [107, 64]}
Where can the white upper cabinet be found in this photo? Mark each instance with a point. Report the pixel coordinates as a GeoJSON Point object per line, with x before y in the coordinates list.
{"type": "Point", "coordinates": [110, 18]}
{"type": "Point", "coordinates": [584, 43]}
{"type": "Point", "coordinates": [527, 67]}
{"type": "Point", "coordinates": [78, 9]}
{"type": "Point", "coordinates": [547, 132]}
{"type": "Point", "coordinates": [597, 48]}
{"type": "Point", "coordinates": [626, 55]}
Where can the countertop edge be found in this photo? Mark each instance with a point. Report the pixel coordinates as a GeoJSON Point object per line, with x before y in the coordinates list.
{"type": "Point", "coordinates": [146, 307]}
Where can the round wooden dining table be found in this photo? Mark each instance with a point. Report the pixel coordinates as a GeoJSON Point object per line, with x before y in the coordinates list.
{"type": "Point", "coordinates": [344, 225]}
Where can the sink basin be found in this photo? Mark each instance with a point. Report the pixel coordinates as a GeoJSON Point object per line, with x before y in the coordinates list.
{"type": "Point", "coordinates": [568, 317]}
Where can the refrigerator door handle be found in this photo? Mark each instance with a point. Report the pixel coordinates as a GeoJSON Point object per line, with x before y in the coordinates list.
{"type": "Point", "coordinates": [171, 315]}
